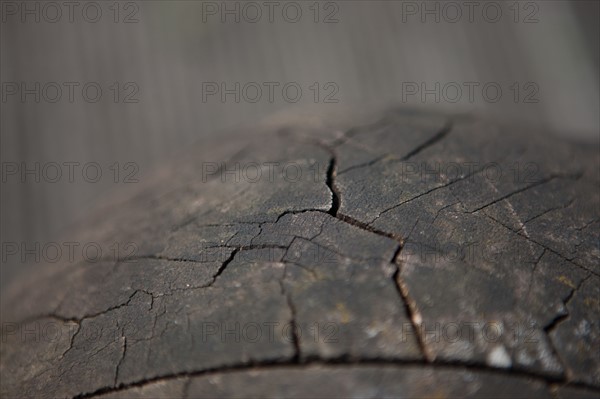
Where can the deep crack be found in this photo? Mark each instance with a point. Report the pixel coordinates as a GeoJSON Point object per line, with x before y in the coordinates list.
{"type": "Point", "coordinates": [330, 181]}
{"type": "Point", "coordinates": [122, 358]}
{"type": "Point", "coordinates": [412, 313]}
{"type": "Point", "coordinates": [295, 336]}
{"type": "Point", "coordinates": [553, 324]}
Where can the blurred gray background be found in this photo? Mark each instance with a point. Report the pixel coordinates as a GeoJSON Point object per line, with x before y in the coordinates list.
{"type": "Point", "coordinates": [364, 54]}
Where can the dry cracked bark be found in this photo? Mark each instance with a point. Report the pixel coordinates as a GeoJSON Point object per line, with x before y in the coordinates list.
{"type": "Point", "coordinates": [417, 255]}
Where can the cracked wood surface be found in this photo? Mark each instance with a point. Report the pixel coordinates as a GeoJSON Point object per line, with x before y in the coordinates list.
{"type": "Point", "coordinates": [392, 260]}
